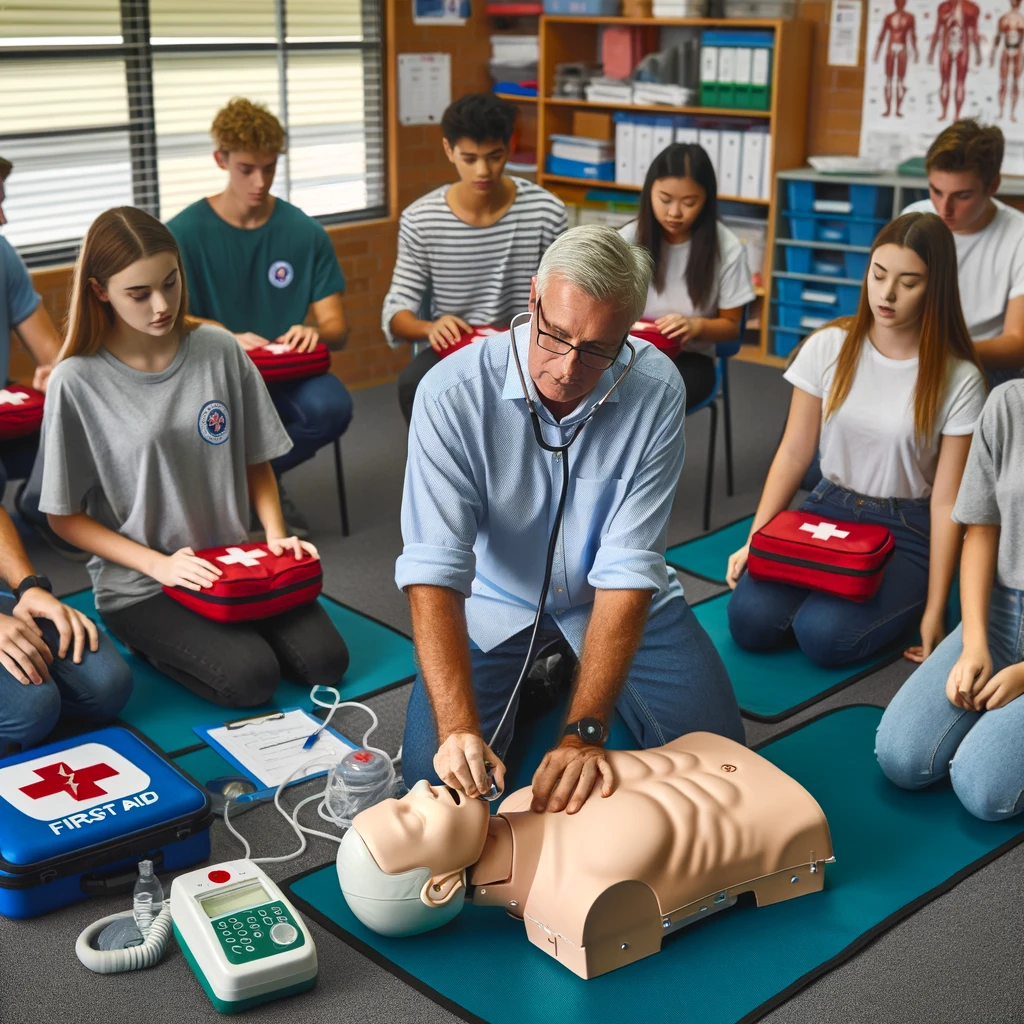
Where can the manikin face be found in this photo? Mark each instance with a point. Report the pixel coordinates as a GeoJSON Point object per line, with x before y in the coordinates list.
{"type": "Point", "coordinates": [479, 164]}
{"type": "Point", "coordinates": [896, 284]}
{"type": "Point", "coordinates": [677, 203]}
{"type": "Point", "coordinates": [431, 826]}
{"type": "Point", "coordinates": [568, 313]}
{"type": "Point", "coordinates": [146, 295]}
{"type": "Point", "coordinates": [960, 198]}
{"type": "Point", "coordinates": [250, 175]}
{"type": "Point", "coordinates": [901, 4]}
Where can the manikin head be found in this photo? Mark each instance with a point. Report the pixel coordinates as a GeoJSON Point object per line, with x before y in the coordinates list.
{"type": "Point", "coordinates": [589, 291]}
{"type": "Point", "coordinates": [402, 865]}
{"type": "Point", "coordinates": [248, 140]}
{"type": "Point", "coordinates": [901, 5]}
{"type": "Point", "coordinates": [477, 131]}
{"type": "Point", "coordinates": [963, 166]}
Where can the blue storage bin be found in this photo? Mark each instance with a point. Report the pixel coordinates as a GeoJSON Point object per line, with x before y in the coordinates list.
{"type": "Point", "coordinates": [800, 196]}
{"type": "Point", "coordinates": [849, 299]}
{"type": "Point", "coordinates": [803, 317]}
{"type": "Point", "coordinates": [856, 265]}
{"type": "Point", "coordinates": [784, 341]}
{"type": "Point", "coordinates": [802, 228]}
{"type": "Point", "coordinates": [587, 8]}
{"type": "Point", "coordinates": [790, 290]}
{"type": "Point", "coordinates": [866, 200]}
{"type": "Point", "coordinates": [862, 232]}
{"type": "Point", "coordinates": [798, 259]}
{"type": "Point", "coordinates": [832, 231]}
{"type": "Point", "coordinates": [604, 171]}
{"type": "Point", "coordinates": [828, 268]}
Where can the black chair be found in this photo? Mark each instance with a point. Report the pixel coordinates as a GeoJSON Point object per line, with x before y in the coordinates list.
{"type": "Point", "coordinates": [339, 474]}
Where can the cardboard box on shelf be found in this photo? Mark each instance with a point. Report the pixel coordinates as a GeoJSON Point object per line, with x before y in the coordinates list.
{"type": "Point", "coordinates": [592, 125]}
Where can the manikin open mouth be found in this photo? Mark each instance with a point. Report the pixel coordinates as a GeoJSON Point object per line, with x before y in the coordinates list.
{"type": "Point", "coordinates": [455, 795]}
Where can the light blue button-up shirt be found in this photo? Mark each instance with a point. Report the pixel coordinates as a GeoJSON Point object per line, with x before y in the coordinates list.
{"type": "Point", "coordinates": [481, 495]}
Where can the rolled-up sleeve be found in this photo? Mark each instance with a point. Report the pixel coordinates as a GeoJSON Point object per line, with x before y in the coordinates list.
{"type": "Point", "coordinates": [631, 555]}
{"type": "Point", "coordinates": [441, 504]}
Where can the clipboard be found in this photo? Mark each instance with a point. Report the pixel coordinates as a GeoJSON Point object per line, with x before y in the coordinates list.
{"type": "Point", "coordinates": [266, 748]}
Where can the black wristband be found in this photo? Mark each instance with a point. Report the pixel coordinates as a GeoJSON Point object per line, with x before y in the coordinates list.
{"type": "Point", "coordinates": [32, 581]}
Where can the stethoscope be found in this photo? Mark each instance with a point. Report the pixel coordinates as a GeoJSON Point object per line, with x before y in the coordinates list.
{"type": "Point", "coordinates": [561, 450]}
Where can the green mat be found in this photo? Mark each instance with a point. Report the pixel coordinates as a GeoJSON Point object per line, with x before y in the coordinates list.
{"type": "Point", "coordinates": [771, 685]}
{"type": "Point", "coordinates": [165, 711]}
{"type": "Point", "coordinates": [707, 556]}
{"type": "Point", "coordinates": [895, 852]}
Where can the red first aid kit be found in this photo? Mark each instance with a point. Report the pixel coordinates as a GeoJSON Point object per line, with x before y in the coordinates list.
{"type": "Point", "coordinates": [21, 411]}
{"type": "Point", "coordinates": [645, 330]}
{"type": "Point", "coordinates": [255, 584]}
{"type": "Point", "coordinates": [805, 549]}
{"type": "Point", "coordinates": [279, 362]}
{"type": "Point", "coordinates": [475, 335]}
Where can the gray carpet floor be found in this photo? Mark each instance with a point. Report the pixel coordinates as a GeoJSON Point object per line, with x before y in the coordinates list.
{"type": "Point", "coordinates": [956, 960]}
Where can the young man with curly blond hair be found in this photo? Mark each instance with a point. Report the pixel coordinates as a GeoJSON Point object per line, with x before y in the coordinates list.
{"type": "Point", "coordinates": [257, 265]}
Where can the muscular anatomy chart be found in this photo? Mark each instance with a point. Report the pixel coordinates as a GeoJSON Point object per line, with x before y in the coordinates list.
{"type": "Point", "coordinates": [926, 68]}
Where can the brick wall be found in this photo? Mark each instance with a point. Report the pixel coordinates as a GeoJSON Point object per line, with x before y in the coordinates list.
{"type": "Point", "coordinates": [365, 251]}
{"type": "Point", "coordinates": [836, 94]}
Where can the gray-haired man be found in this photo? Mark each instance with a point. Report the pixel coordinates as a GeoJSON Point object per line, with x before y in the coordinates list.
{"type": "Point", "coordinates": [480, 500]}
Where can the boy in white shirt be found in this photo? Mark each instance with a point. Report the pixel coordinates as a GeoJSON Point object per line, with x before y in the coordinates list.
{"type": "Point", "coordinates": [963, 166]}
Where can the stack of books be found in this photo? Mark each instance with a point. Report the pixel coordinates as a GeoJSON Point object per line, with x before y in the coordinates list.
{"type": "Point", "coordinates": [576, 157]}
{"type": "Point", "coordinates": [609, 90]}
{"type": "Point", "coordinates": [513, 64]}
{"type": "Point", "coordinates": [651, 93]}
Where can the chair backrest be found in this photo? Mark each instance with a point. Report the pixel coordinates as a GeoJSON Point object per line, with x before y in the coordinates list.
{"type": "Point", "coordinates": [727, 349]}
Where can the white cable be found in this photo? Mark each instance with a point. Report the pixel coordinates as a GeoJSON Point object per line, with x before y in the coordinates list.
{"type": "Point", "coordinates": [112, 961]}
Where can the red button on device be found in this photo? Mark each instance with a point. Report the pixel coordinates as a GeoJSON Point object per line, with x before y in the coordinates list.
{"type": "Point", "coordinates": [219, 876]}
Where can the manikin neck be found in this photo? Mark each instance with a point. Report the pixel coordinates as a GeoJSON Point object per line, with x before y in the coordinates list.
{"type": "Point", "coordinates": [510, 855]}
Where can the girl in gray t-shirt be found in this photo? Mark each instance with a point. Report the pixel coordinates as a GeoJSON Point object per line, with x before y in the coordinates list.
{"type": "Point", "coordinates": [962, 712]}
{"type": "Point", "coordinates": [158, 435]}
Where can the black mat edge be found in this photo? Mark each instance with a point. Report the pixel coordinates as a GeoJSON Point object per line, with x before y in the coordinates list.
{"type": "Point", "coordinates": [860, 674]}
{"type": "Point", "coordinates": [862, 941]}
{"type": "Point", "coordinates": [702, 536]}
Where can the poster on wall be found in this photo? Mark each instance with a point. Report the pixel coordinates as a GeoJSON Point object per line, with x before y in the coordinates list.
{"type": "Point", "coordinates": [440, 12]}
{"type": "Point", "coordinates": [930, 62]}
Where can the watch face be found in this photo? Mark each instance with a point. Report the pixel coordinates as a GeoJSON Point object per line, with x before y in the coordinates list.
{"type": "Point", "coordinates": [591, 729]}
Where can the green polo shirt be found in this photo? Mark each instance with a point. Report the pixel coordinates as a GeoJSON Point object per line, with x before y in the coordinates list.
{"type": "Point", "coordinates": [261, 280]}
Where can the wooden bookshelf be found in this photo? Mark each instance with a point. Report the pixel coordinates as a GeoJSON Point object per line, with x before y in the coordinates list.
{"type": "Point", "coordinates": [565, 39]}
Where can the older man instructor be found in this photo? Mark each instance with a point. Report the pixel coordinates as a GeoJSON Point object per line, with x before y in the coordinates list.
{"type": "Point", "coordinates": [480, 500]}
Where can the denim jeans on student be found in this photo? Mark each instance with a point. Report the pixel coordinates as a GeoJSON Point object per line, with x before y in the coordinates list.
{"type": "Point", "coordinates": [676, 684]}
{"type": "Point", "coordinates": [833, 631]}
{"type": "Point", "coordinates": [95, 690]}
{"type": "Point", "coordinates": [923, 737]}
{"type": "Point", "coordinates": [315, 411]}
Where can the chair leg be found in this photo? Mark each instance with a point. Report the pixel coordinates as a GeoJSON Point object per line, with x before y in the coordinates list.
{"type": "Point", "coordinates": [340, 476]}
{"type": "Point", "coordinates": [727, 427]}
{"type": "Point", "coordinates": [709, 476]}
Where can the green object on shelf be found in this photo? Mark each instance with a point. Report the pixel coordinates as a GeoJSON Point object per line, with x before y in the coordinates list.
{"type": "Point", "coordinates": [914, 167]}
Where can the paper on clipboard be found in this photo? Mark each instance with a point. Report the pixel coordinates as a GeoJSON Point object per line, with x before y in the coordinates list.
{"type": "Point", "coordinates": [270, 749]}
{"type": "Point", "coordinates": [424, 87]}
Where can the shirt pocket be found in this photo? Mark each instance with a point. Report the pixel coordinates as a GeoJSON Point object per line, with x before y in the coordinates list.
{"type": "Point", "coordinates": [590, 507]}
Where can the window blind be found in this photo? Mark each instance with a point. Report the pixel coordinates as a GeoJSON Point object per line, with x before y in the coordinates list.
{"type": "Point", "coordinates": [116, 108]}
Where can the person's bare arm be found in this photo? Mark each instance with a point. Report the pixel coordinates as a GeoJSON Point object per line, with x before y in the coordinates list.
{"type": "Point", "coordinates": [14, 562]}
{"type": "Point", "coordinates": [1007, 350]}
{"type": "Point", "coordinates": [40, 337]}
{"type": "Point", "coordinates": [265, 499]}
{"type": "Point", "coordinates": [568, 773]}
{"type": "Point", "coordinates": [446, 330]}
{"type": "Point", "coordinates": [724, 327]}
{"type": "Point", "coordinates": [881, 38]}
{"type": "Point", "coordinates": [329, 314]}
{"type": "Point", "coordinates": [442, 650]}
{"type": "Point", "coordinates": [912, 36]}
{"type": "Point", "coordinates": [944, 544]}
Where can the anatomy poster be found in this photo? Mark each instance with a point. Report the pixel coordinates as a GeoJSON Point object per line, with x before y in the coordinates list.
{"type": "Point", "coordinates": [929, 62]}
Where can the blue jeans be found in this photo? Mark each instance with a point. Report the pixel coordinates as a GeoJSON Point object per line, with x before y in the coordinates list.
{"type": "Point", "coordinates": [676, 684]}
{"type": "Point", "coordinates": [315, 411]}
{"type": "Point", "coordinates": [833, 631]}
{"type": "Point", "coordinates": [96, 690]}
{"type": "Point", "coordinates": [923, 738]}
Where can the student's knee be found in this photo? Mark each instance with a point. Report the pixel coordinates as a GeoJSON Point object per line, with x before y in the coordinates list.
{"type": "Point", "coordinates": [327, 660]}
{"type": "Point", "coordinates": [752, 623]}
{"type": "Point", "coordinates": [110, 683]}
{"type": "Point", "coordinates": [251, 680]}
{"type": "Point", "coordinates": [905, 761]}
{"type": "Point", "coordinates": [984, 788]}
{"type": "Point", "coordinates": [819, 634]}
{"type": "Point", "coordinates": [330, 406]}
{"type": "Point", "coordinates": [30, 717]}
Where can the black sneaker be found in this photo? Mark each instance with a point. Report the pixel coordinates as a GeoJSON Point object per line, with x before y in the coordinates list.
{"type": "Point", "coordinates": [43, 529]}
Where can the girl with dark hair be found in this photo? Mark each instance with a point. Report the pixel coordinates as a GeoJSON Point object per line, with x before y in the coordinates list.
{"type": "Point", "coordinates": [893, 395]}
{"type": "Point", "coordinates": [701, 277]}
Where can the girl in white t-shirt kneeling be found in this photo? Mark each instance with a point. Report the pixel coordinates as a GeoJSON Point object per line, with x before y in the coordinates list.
{"type": "Point", "coordinates": [701, 276]}
{"type": "Point", "coordinates": [893, 395]}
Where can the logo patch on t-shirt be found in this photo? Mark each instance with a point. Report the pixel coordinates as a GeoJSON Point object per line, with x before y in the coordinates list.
{"type": "Point", "coordinates": [213, 422]}
{"type": "Point", "coordinates": [281, 274]}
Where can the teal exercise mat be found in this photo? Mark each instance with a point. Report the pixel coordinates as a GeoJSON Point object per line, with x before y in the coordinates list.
{"type": "Point", "coordinates": [895, 851]}
{"type": "Point", "coordinates": [772, 685]}
{"type": "Point", "coordinates": [164, 711]}
{"type": "Point", "coordinates": [707, 556]}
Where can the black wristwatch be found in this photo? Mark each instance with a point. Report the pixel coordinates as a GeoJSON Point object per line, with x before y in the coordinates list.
{"type": "Point", "coordinates": [33, 581]}
{"type": "Point", "coordinates": [590, 730]}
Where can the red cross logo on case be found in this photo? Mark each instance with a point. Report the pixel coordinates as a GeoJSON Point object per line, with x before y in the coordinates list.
{"type": "Point", "coordinates": [80, 784]}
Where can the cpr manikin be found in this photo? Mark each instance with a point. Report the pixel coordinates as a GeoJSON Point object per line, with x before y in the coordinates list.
{"type": "Point", "coordinates": [690, 826]}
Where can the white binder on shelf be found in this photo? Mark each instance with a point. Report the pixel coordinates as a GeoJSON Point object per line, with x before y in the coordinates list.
{"type": "Point", "coordinates": [644, 149]}
{"type": "Point", "coordinates": [752, 164]}
{"type": "Point", "coordinates": [710, 139]}
{"type": "Point", "coordinates": [625, 149]}
{"type": "Point", "coordinates": [767, 177]}
{"type": "Point", "coordinates": [729, 161]}
{"type": "Point", "coordinates": [688, 134]}
{"type": "Point", "coordinates": [664, 130]}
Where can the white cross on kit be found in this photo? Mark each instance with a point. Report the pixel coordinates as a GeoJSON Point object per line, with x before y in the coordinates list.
{"type": "Point", "coordinates": [12, 397]}
{"type": "Point", "coordinates": [236, 556]}
{"type": "Point", "coordinates": [824, 531]}
{"type": "Point", "coordinates": [276, 349]}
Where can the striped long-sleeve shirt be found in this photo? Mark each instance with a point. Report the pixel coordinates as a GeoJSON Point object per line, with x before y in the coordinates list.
{"type": "Point", "coordinates": [481, 274]}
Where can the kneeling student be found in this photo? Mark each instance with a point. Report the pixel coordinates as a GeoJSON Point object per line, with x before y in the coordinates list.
{"type": "Point", "coordinates": [893, 394]}
{"type": "Point", "coordinates": [158, 435]}
{"type": "Point", "coordinates": [961, 714]}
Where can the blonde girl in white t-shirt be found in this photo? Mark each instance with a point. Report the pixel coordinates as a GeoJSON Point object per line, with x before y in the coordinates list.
{"type": "Point", "coordinates": [892, 395]}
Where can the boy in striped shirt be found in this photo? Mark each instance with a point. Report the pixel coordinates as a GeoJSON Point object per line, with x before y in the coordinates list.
{"type": "Point", "coordinates": [467, 252]}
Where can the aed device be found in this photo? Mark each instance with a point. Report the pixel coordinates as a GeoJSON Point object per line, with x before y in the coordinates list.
{"type": "Point", "coordinates": [245, 942]}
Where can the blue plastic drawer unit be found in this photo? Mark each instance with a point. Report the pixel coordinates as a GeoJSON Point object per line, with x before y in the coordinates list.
{"type": "Point", "coordinates": [865, 201]}
{"type": "Point", "coordinates": [785, 340]}
{"type": "Point", "coordinates": [77, 815]}
{"type": "Point", "coordinates": [834, 299]}
{"type": "Point", "coordinates": [856, 265]}
{"type": "Point", "coordinates": [603, 171]}
{"type": "Point", "coordinates": [834, 228]}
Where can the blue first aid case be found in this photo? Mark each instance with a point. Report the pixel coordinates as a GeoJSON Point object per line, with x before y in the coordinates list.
{"type": "Point", "coordinates": [76, 817]}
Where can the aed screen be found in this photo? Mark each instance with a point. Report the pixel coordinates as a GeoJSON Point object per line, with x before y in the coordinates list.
{"type": "Point", "coordinates": [240, 897]}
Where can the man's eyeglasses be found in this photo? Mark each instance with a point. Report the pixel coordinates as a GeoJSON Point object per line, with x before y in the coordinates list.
{"type": "Point", "coordinates": [589, 356]}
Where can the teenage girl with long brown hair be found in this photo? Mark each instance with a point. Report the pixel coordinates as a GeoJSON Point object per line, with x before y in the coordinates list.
{"type": "Point", "coordinates": [893, 395]}
{"type": "Point", "coordinates": [158, 436]}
